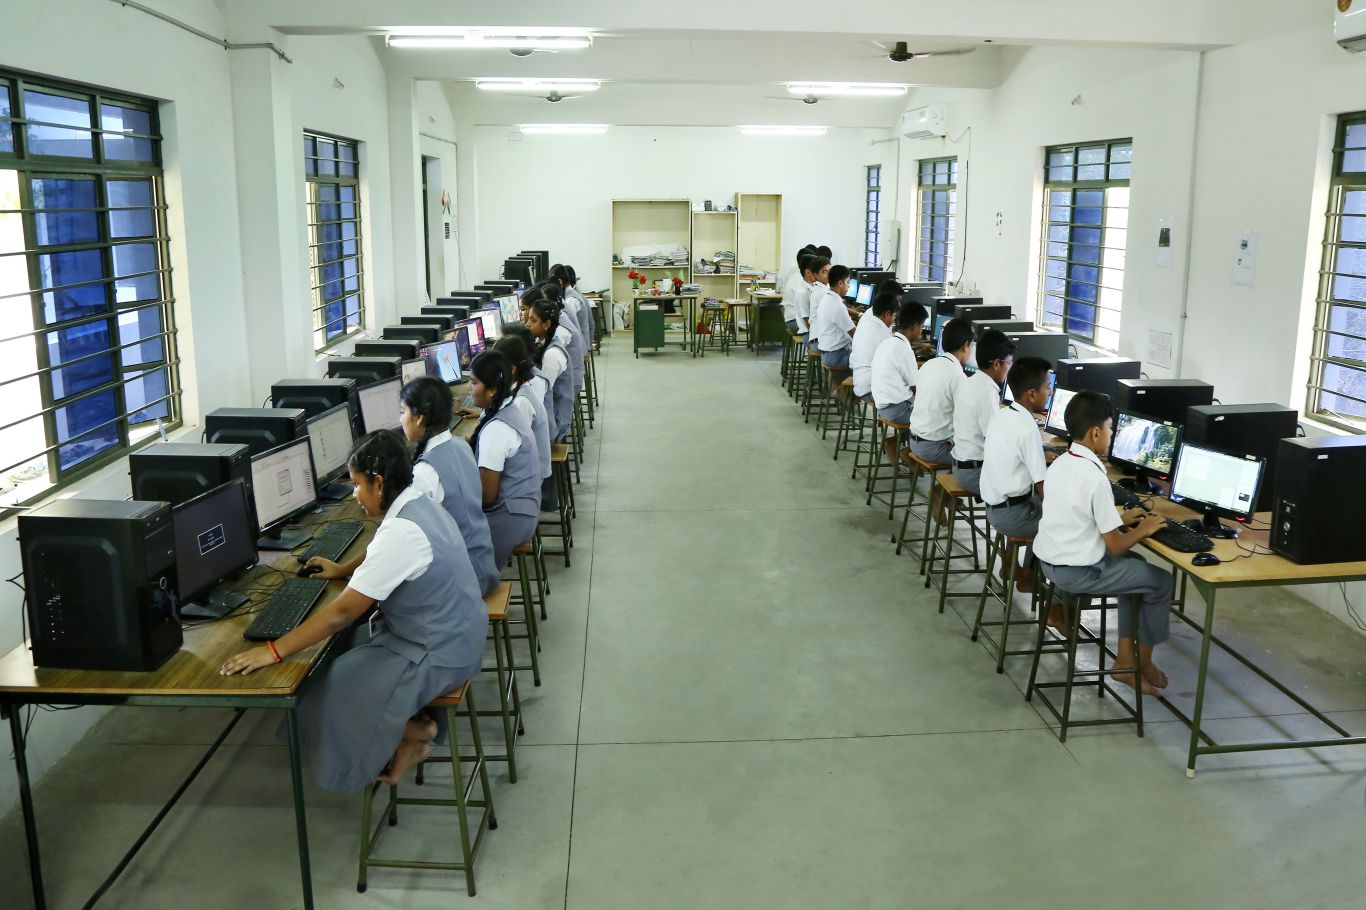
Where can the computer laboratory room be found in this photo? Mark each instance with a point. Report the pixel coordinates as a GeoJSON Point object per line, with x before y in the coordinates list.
{"type": "Point", "coordinates": [598, 456]}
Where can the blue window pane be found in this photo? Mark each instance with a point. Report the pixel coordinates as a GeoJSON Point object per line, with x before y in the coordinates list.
{"type": "Point", "coordinates": [127, 148]}
{"type": "Point", "coordinates": [1353, 289]}
{"type": "Point", "coordinates": [1057, 250]}
{"type": "Point", "coordinates": [58, 269]}
{"type": "Point", "coordinates": [333, 316]}
{"type": "Point", "coordinates": [1091, 172]}
{"type": "Point", "coordinates": [346, 151]}
{"type": "Point", "coordinates": [1351, 261]}
{"type": "Point", "coordinates": [58, 228]}
{"type": "Point", "coordinates": [58, 140]}
{"type": "Point", "coordinates": [80, 417]}
{"type": "Point", "coordinates": [1055, 286]}
{"type": "Point", "coordinates": [6, 133]}
{"type": "Point", "coordinates": [346, 193]}
{"type": "Point", "coordinates": [352, 313]}
{"type": "Point", "coordinates": [1089, 254]}
{"type": "Point", "coordinates": [1120, 171]}
{"type": "Point", "coordinates": [1352, 230]}
{"type": "Point", "coordinates": [348, 211]}
{"type": "Point", "coordinates": [1059, 174]}
{"type": "Point", "coordinates": [348, 247]}
{"type": "Point", "coordinates": [1122, 153]}
{"type": "Point", "coordinates": [1355, 203]}
{"type": "Point", "coordinates": [1348, 381]}
{"type": "Point", "coordinates": [1061, 158]}
{"type": "Point", "coordinates": [137, 289]}
{"type": "Point", "coordinates": [69, 456]}
{"type": "Point", "coordinates": [63, 193]}
{"type": "Point", "coordinates": [346, 168]}
{"type": "Point", "coordinates": [1059, 213]}
{"type": "Point", "coordinates": [1090, 198]}
{"type": "Point", "coordinates": [1057, 233]}
{"type": "Point", "coordinates": [1086, 235]}
{"type": "Point", "coordinates": [1053, 306]}
{"type": "Point", "coordinates": [331, 251]}
{"type": "Point", "coordinates": [66, 228]}
{"type": "Point", "coordinates": [132, 258]}
{"type": "Point", "coordinates": [1092, 154]}
{"type": "Point", "coordinates": [1081, 319]}
{"type": "Point", "coordinates": [348, 230]}
{"type": "Point", "coordinates": [1056, 268]}
{"type": "Point", "coordinates": [329, 212]}
{"type": "Point", "coordinates": [350, 267]}
{"type": "Point", "coordinates": [81, 341]}
{"type": "Point", "coordinates": [72, 303]}
{"type": "Point", "coordinates": [140, 324]}
{"type": "Point", "coordinates": [126, 120]}
{"type": "Point", "coordinates": [1084, 273]}
{"type": "Point", "coordinates": [1354, 162]}
{"type": "Point", "coordinates": [129, 193]}
{"type": "Point", "coordinates": [132, 223]}
{"type": "Point", "coordinates": [1087, 216]}
{"type": "Point", "coordinates": [1352, 322]}
{"type": "Point", "coordinates": [141, 394]}
{"type": "Point", "coordinates": [1080, 291]}
{"type": "Point", "coordinates": [1060, 197]}
{"type": "Point", "coordinates": [327, 192]}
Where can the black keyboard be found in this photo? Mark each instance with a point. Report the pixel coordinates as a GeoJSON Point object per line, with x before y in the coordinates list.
{"type": "Point", "coordinates": [1124, 497]}
{"type": "Point", "coordinates": [286, 608]}
{"type": "Point", "coordinates": [1183, 538]}
{"type": "Point", "coordinates": [333, 541]}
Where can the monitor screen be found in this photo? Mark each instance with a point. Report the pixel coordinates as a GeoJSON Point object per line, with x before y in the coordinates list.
{"type": "Point", "coordinates": [853, 288]}
{"type": "Point", "coordinates": [462, 344]}
{"type": "Point", "coordinates": [864, 297]}
{"type": "Point", "coordinates": [1144, 443]}
{"type": "Point", "coordinates": [213, 538]}
{"type": "Point", "coordinates": [282, 483]}
{"type": "Point", "coordinates": [1055, 423]}
{"type": "Point", "coordinates": [330, 436]}
{"type": "Point", "coordinates": [414, 369]}
{"type": "Point", "coordinates": [443, 362]}
{"type": "Point", "coordinates": [379, 405]}
{"type": "Point", "coordinates": [476, 335]}
{"type": "Point", "coordinates": [492, 324]}
{"type": "Point", "coordinates": [510, 308]}
{"type": "Point", "coordinates": [1217, 480]}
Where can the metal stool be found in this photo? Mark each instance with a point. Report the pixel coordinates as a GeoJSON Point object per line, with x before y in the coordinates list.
{"type": "Point", "coordinates": [889, 431]}
{"type": "Point", "coordinates": [527, 599]}
{"type": "Point", "coordinates": [832, 379]}
{"type": "Point", "coordinates": [920, 468]}
{"type": "Point", "coordinates": [509, 698]}
{"type": "Point", "coordinates": [1008, 548]}
{"type": "Point", "coordinates": [813, 376]}
{"type": "Point", "coordinates": [488, 821]}
{"type": "Point", "coordinates": [867, 423]}
{"type": "Point", "coordinates": [561, 527]}
{"type": "Point", "coordinates": [941, 549]}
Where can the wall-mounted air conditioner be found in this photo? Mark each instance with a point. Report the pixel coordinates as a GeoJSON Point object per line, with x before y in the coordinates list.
{"type": "Point", "coordinates": [1350, 25]}
{"type": "Point", "coordinates": [929, 122]}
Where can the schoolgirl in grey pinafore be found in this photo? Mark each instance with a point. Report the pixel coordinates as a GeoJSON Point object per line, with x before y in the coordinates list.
{"type": "Point", "coordinates": [586, 323]}
{"type": "Point", "coordinates": [540, 429]}
{"type": "Point", "coordinates": [575, 348]}
{"type": "Point", "coordinates": [512, 515]}
{"type": "Point", "coordinates": [429, 640]}
{"type": "Point", "coordinates": [463, 500]}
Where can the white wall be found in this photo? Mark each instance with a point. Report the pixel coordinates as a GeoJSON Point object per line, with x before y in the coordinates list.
{"type": "Point", "coordinates": [438, 138]}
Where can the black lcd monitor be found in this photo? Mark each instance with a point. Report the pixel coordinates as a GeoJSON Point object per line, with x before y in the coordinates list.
{"type": "Point", "coordinates": [461, 339]}
{"type": "Point", "coordinates": [542, 260]}
{"type": "Point", "coordinates": [422, 334]}
{"type": "Point", "coordinates": [214, 540]}
{"type": "Point", "coordinates": [282, 484]}
{"type": "Point", "coordinates": [331, 435]}
{"type": "Point", "coordinates": [414, 369]}
{"type": "Point", "coordinates": [1057, 410]}
{"type": "Point", "coordinates": [492, 317]}
{"type": "Point", "coordinates": [1145, 446]}
{"type": "Point", "coordinates": [1218, 484]}
{"type": "Point", "coordinates": [378, 406]}
{"type": "Point", "coordinates": [442, 361]}
{"type": "Point", "coordinates": [474, 337]}
{"type": "Point", "coordinates": [520, 269]}
{"type": "Point", "coordinates": [864, 297]}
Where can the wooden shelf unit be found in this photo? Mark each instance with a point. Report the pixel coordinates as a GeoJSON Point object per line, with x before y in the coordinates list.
{"type": "Point", "coordinates": [712, 232]}
{"type": "Point", "coordinates": [639, 222]}
{"type": "Point", "coordinates": [760, 238]}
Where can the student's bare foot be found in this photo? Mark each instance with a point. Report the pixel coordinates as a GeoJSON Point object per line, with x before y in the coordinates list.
{"type": "Point", "coordinates": [1057, 617]}
{"type": "Point", "coordinates": [1128, 678]}
{"type": "Point", "coordinates": [1154, 676]}
{"type": "Point", "coordinates": [422, 729]}
{"type": "Point", "coordinates": [410, 752]}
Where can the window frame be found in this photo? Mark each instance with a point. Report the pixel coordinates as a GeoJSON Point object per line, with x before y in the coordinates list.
{"type": "Point", "coordinates": [926, 188]}
{"type": "Point", "coordinates": [1074, 185]}
{"type": "Point", "coordinates": [872, 215]}
{"type": "Point", "coordinates": [1342, 183]}
{"type": "Point", "coordinates": [102, 169]}
{"type": "Point", "coordinates": [318, 302]}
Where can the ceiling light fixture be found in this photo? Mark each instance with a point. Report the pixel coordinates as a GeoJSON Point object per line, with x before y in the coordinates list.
{"type": "Point", "coordinates": [537, 85]}
{"type": "Point", "coordinates": [573, 129]}
{"type": "Point", "coordinates": [549, 39]}
{"type": "Point", "coordinates": [865, 89]}
{"type": "Point", "coordinates": [782, 130]}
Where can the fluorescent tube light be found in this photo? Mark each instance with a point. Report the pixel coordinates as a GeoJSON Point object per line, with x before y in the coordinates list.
{"type": "Point", "coordinates": [578, 129]}
{"type": "Point", "coordinates": [783, 130]}
{"type": "Point", "coordinates": [537, 85]}
{"type": "Point", "coordinates": [529, 38]}
{"type": "Point", "coordinates": [867, 89]}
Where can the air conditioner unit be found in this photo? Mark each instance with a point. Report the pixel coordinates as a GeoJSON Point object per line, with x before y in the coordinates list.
{"type": "Point", "coordinates": [1350, 25]}
{"type": "Point", "coordinates": [928, 122]}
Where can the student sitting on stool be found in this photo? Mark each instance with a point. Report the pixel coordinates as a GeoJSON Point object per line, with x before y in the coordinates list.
{"type": "Point", "coordinates": [893, 374]}
{"type": "Point", "coordinates": [831, 322]}
{"type": "Point", "coordinates": [975, 402]}
{"type": "Point", "coordinates": [796, 288]}
{"type": "Point", "coordinates": [932, 416]}
{"type": "Point", "coordinates": [814, 272]}
{"type": "Point", "coordinates": [1084, 547]}
{"type": "Point", "coordinates": [1013, 462]}
{"type": "Point", "coordinates": [874, 328]}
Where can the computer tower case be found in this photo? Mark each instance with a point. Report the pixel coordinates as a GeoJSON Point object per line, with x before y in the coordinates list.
{"type": "Point", "coordinates": [176, 472]}
{"type": "Point", "coordinates": [260, 429]}
{"type": "Point", "coordinates": [99, 577]}
{"type": "Point", "coordinates": [1098, 374]}
{"type": "Point", "coordinates": [403, 350]}
{"type": "Point", "coordinates": [313, 395]}
{"type": "Point", "coordinates": [1001, 325]}
{"type": "Point", "coordinates": [1051, 346]}
{"type": "Point", "coordinates": [365, 370]}
{"type": "Point", "coordinates": [1245, 429]}
{"type": "Point", "coordinates": [1319, 490]}
{"type": "Point", "coordinates": [1165, 399]}
{"type": "Point", "coordinates": [976, 311]}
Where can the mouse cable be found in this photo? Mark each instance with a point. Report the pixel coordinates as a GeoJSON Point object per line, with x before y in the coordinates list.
{"type": "Point", "coordinates": [1351, 610]}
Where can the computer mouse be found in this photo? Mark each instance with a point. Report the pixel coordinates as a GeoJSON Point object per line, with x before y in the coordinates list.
{"type": "Point", "coordinates": [1206, 559]}
{"type": "Point", "coordinates": [306, 571]}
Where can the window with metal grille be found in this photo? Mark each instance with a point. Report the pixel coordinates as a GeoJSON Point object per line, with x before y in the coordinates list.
{"type": "Point", "coordinates": [332, 170]}
{"type": "Point", "coordinates": [872, 215]}
{"type": "Point", "coordinates": [1337, 387]}
{"type": "Point", "coordinates": [1085, 233]}
{"type": "Point", "coordinates": [88, 365]}
{"type": "Point", "coordinates": [938, 205]}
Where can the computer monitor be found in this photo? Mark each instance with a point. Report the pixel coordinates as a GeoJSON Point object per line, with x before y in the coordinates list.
{"type": "Point", "coordinates": [379, 406]}
{"type": "Point", "coordinates": [442, 361]}
{"type": "Point", "coordinates": [520, 269]}
{"type": "Point", "coordinates": [474, 329]}
{"type": "Point", "coordinates": [1218, 484]}
{"type": "Point", "coordinates": [1054, 422]}
{"type": "Point", "coordinates": [853, 289]}
{"type": "Point", "coordinates": [542, 259]}
{"type": "Point", "coordinates": [331, 435]}
{"type": "Point", "coordinates": [214, 540]}
{"type": "Point", "coordinates": [510, 307]}
{"type": "Point", "coordinates": [864, 297]}
{"type": "Point", "coordinates": [282, 483]}
{"type": "Point", "coordinates": [1145, 446]}
{"type": "Point", "coordinates": [492, 317]}
{"type": "Point", "coordinates": [414, 369]}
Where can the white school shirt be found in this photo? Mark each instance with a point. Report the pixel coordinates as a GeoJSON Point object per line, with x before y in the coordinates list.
{"type": "Point", "coordinates": [1078, 508]}
{"type": "Point", "coordinates": [553, 363]}
{"type": "Point", "coordinates": [975, 402]}
{"type": "Point", "coordinates": [932, 415]}
{"type": "Point", "coordinates": [801, 306]}
{"type": "Point", "coordinates": [893, 374]}
{"type": "Point", "coordinates": [791, 288]}
{"type": "Point", "coordinates": [836, 323]}
{"type": "Point", "coordinates": [1012, 455]}
{"type": "Point", "coordinates": [498, 442]}
{"type": "Point", "coordinates": [870, 333]}
{"type": "Point", "coordinates": [425, 479]}
{"type": "Point", "coordinates": [398, 552]}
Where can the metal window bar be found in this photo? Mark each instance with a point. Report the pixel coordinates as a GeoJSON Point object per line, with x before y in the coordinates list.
{"type": "Point", "coordinates": [328, 332]}
{"type": "Point", "coordinates": [936, 175]}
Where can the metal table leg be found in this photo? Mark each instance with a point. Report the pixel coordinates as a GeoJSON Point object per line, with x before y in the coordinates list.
{"type": "Point", "coordinates": [1207, 634]}
{"type": "Point", "coordinates": [35, 868]}
{"type": "Point", "coordinates": [300, 817]}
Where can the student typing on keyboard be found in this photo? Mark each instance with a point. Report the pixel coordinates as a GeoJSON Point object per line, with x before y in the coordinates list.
{"type": "Point", "coordinates": [1084, 547]}
{"type": "Point", "coordinates": [365, 717]}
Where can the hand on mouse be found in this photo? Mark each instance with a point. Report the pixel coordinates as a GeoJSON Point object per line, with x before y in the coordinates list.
{"type": "Point", "coordinates": [322, 568]}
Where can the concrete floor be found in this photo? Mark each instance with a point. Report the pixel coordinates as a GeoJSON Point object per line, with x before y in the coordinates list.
{"type": "Point", "coordinates": [749, 701]}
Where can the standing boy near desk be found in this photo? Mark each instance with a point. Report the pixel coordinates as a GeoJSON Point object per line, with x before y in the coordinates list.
{"type": "Point", "coordinates": [975, 403]}
{"type": "Point", "coordinates": [1084, 548]}
{"type": "Point", "coordinates": [796, 287]}
{"type": "Point", "coordinates": [932, 416]}
{"type": "Point", "coordinates": [831, 323]}
{"type": "Point", "coordinates": [874, 328]}
{"type": "Point", "coordinates": [815, 271]}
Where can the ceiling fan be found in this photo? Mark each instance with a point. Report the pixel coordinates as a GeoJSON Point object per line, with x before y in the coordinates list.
{"type": "Point", "coordinates": [900, 52]}
{"type": "Point", "coordinates": [804, 99]}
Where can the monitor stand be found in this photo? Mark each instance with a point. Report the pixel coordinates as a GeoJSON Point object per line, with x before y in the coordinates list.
{"type": "Point", "coordinates": [334, 492]}
{"type": "Point", "coordinates": [280, 539]}
{"type": "Point", "coordinates": [214, 605]}
{"type": "Point", "coordinates": [1140, 483]}
{"type": "Point", "coordinates": [1212, 527]}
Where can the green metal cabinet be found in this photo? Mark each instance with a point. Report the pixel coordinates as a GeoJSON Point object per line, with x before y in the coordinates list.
{"type": "Point", "coordinates": [647, 326]}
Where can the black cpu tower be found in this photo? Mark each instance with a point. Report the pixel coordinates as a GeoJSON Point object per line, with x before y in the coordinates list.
{"type": "Point", "coordinates": [260, 429]}
{"type": "Point", "coordinates": [1245, 429]}
{"type": "Point", "coordinates": [313, 395]}
{"type": "Point", "coordinates": [1051, 346]}
{"type": "Point", "coordinates": [365, 370]}
{"type": "Point", "coordinates": [403, 350]}
{"type": "Point", "coordinates": [100, 577]}
{"type": "Point", "coordinates": [456, 311]}
{"type": "Point", "coordinates": [1099, 374]}
{"type": "Point", "coordinates": [442, 321]}
{"type": "Point", "coordinates": [976, 311]}
{"type": "Point", "coordinates": [176, 472]}
{"type": "Point", "coordinates": [422, 334]}
{"type": "Point", "coordinates": [982, 326]}
{"type": "Point", "coordinates": [1165, 399]}
{"type": "Point", "coordinates": [1319, 490]}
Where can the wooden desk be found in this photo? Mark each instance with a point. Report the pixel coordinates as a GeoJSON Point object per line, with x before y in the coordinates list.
{"type": "Point", "coordinates": [190, 680]}
{"type": "Point", "coordinates": [689, 302]}
{"type": "Point", "coordinates": [757, 335]}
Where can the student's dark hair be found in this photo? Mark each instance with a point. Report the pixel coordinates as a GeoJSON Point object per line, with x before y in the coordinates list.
{"type": "Point", "coordinates": [825, 251]}
{"type": "Point", "coordinates": [547, 311]}
{"type": "Point", "coordinates": [958, 331]}
{"type": "Point", "coordinates": [1086, 410]}
{"type": "Point", "coordinates": [494, 370]}
{"type": "Point", "coordinates": [1025, 374]}
{"type": "Point", "coordinates": [383, 454]}
{"type": "Point", "coordinates": [518, 354]}
{"type": "Point", "coordinates": [993, 346]}
{"type": "Point", "coordinates": [805, 251]}
{"type": "Point", "coordinates": [912, 312]}
{"type": "Point", "coordinates": [520, 330]}
{"type": "Point", "coordinates": [564, 274]}
{"type": "Point", "coordinates": [838, 273]}
{"type": "Point", "coordinates": [431, 400]}
{"type": "Point", "coordinates": [544, 290]}
{"type": "Point", "coordinates": [804, 261]}
{"type": "Point", "coordinates": [885, 303]}
{"type": "Point", "coordinates": [815, 263]}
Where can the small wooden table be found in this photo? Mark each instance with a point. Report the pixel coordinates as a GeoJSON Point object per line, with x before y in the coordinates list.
{"type": "Point", "coordinates": [689, 303]}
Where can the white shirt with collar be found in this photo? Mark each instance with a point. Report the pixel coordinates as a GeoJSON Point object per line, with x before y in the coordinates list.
{"type": "Point", "coordinates": [801, 305]}
{"type": "Point", "coordinates": [932, 415]}
{"type": "Point", "coordinates": [836, 323]}
{"type": "Point", "coordinates": [398, 552]}
{"type": "Point", "coordinates": [894, 372]}
{"type": "Point", "coordinates": [870, 333]}
{"type": "Point", "coordinates": [1078, 508]}
{"type": "Point", "coordinates": [794, 285]}
{"type": "Point", "coordinates": [814, 297]}
{"type": "Point", "coordinates": [975, 402]}
{"type": "Point", "coordinates": [425, 479]}
{"type": "Point", "coordinates": [498, 442]}
{"type": "Point", "coordinates": [1012, 457]}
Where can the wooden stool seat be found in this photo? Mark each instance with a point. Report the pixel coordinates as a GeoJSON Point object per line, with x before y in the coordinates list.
{"type": "Point", "coordinates": [522, 549]}
{"type": "Point", "coordinates": [497, 602]}
{"type": "Point", "coordinates": [909, 456]}
{"type": "Point", "coordinates": [1019, 540]}
{"type": "Point", "coordinates": [895, 426]}
{"type": "Point", "coordinates": [454, 699]}
{"type": "Point", "coordinates": [559, 452]}
{"type": "Point", "coordinates": [813, 355]}
{"type": "Point", "coordinates": [951, 487]}
{"type": "Point", "coordinates": [848, 382]}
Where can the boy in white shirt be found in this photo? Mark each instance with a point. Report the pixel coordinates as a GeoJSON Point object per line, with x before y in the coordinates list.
{"type": "Point", "coordinates": [873, 328]}
{"type": "Point", "coordinates": [834, 325]}
{"type": "Point", "coordinates": [932, 416]}
{"type": "Point", "coordinates": [815, 271]}
{"type": "Point", "coordinates": [894, 372]}
{"type": "Point", "coordinates": [1084, 547]}
{"type": "Point", "coordinates": [975, 402]}
{"type": "Point", "coordinates": [794, 287]}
